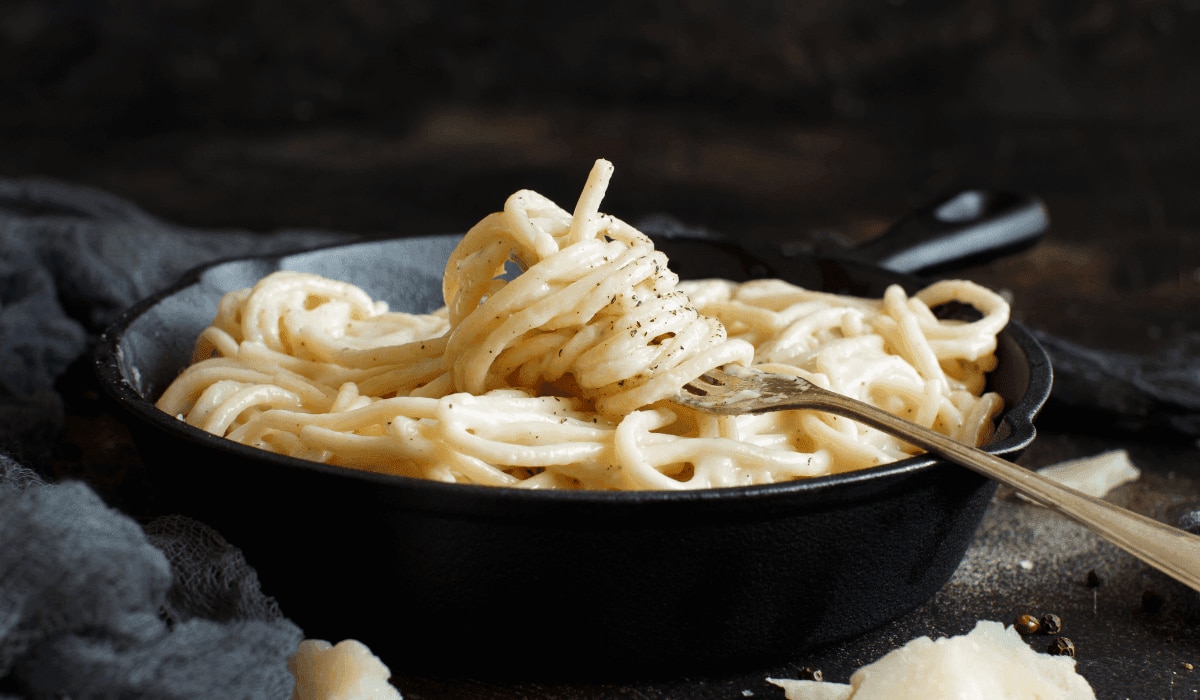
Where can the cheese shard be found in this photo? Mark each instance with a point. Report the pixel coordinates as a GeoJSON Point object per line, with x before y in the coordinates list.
{"type": "Point", "coordinates": [1095, 476]}
{"type": "Point", "coordinates": [345, 671]}
{"type": "Point", "coordinates": [813, 690]}
{"type": "Point", "coordinates": [991, 662]}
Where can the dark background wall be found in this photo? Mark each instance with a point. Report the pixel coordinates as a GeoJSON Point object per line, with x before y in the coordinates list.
{"type": "Point", "coordinates": [132, 67]}
{"type": "Point", "coordinates": [768, 119]}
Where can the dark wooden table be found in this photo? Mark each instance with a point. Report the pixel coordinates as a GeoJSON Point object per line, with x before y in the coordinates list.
{"type": "Point", "coordinates": [1119, 270]}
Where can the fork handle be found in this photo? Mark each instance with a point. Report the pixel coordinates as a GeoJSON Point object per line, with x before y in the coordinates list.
{"type": "Point", "coordinates": [1171, 550]}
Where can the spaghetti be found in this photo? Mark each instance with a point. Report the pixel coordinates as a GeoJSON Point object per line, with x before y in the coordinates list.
{"type": "Point", "coordinates": [561, 375]}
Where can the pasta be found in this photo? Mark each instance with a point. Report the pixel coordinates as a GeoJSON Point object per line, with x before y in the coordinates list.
{"type": "Point", "coordinates": [552, 365]}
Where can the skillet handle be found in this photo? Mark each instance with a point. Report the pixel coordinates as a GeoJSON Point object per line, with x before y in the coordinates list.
{"type": "Point", "coordinates": [969, 227]}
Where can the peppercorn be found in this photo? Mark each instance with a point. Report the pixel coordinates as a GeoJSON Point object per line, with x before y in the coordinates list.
{"type": "Point", "coordinates": [1051, 623]}
{"type": "Point", "coordinates": [1061, 646]}
{"type": "Point", "coordinates": [1026, 624]}
{"type": "Point", "coordinates": [1093, 579]}
{"type": "Point", "coordinates": [1152, 602]}
{"type": "Point", "coordinates": [809, 674]}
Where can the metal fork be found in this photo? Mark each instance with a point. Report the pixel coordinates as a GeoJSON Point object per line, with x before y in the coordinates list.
{"type": "Point", "coordinates": [735, 390]}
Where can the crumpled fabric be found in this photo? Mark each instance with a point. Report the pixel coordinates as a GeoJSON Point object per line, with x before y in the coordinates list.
{"type": "Point", "coordinates": [71, 259]}
{"type": "Point", "coordinates": [92, 603]}
{"type": "Point", "coordinates": [96, 605]}
{"type": "Point", "coordinates": [1132, 392]}
{"type": "Point", "coordinates": [92, 606]}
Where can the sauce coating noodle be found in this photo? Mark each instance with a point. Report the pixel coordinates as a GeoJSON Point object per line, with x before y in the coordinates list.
{"type": "Point", "coordinates": [561, 376]}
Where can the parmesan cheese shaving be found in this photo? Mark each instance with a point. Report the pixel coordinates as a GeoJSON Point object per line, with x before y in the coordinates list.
{"type": "Point", "coordinates": [991, 662]}
{"type": "Point", "coordinates": [1096, 476]}
{"type": "Point", "coordinates": [345, 671]}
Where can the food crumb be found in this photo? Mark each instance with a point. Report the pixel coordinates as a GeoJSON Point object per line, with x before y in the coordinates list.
{"type": "Point", "coordinates": [1187, 666]}
{"type": "Point", "coordinates": [747, 693]}
{"type": "Point", "coordinates": [1026, 564]}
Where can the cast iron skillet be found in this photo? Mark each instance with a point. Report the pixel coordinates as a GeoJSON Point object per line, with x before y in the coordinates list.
{"type": "Point", "coordinates": [485, 581]}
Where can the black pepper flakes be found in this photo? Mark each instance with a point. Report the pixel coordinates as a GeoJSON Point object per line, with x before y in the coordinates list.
{"type": "Point", "coordinates": [1051, 623]}
{"type": "Point", "coordinates": [1061, 646]}
{"type": "Point", "coordinates": [1093, 579]}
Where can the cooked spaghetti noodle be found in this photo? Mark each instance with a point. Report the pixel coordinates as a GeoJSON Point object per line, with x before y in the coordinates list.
{"type": "Point", "coordinates": [561, 376]}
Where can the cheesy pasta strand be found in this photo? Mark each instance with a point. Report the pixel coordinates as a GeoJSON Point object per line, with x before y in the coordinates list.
{"type": "Point", "coordinates": [551, 365]}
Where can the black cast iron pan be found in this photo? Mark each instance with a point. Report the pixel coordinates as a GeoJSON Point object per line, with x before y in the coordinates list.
{"type": "Point", "coordinates": [484, 581]}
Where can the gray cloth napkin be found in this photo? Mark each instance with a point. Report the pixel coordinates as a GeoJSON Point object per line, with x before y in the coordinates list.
{"type": "Point", "coordinates": [1127, 391]}
{"type": "Point", "coordinates": [94, 604]}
